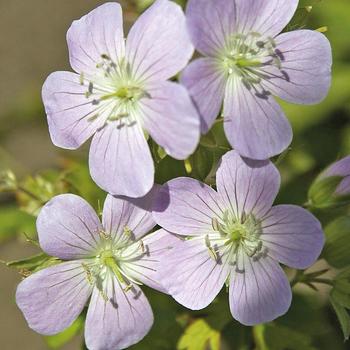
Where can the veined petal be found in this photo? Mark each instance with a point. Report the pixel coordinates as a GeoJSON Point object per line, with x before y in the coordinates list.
{"type": "Point", "coordinates": [206, 85]}
{"type": "Point", "coordinates": [191, 274]}
{"type": "Point", "coordinates": [186, 206]}
{"type": "Point", "coordinates": [120, 321]}
{"type": "Point", "coordinates": [68, 227]}
{"type": "Point", "coordinates": [171, 119]}
{"type": "Point", "coordinates": [210, 23]}
{"type": "Point", "coordinates": [266, 17]}
{"type": "Point", "coordinates": [247, 186]}
{"type": "Point", "coordinates": [120, 215]}
{"type": "Point", "coordinates": [158, 45]}
{"type": "Point", "coordinates": [260, 293]}
{"type": "Point", "coordinates": [145, 268]}
{"type": "Point", "coordinates": [306, 60]}
{"type": "Point", "coordinates": [53, 298]}
{"type": "Point", "coordinates": [292, 235]}
{"type": "Point", "coordinates": [72, 116]}
{"type": "Point", "coordinates": [100, 32]}
{"type": "Point", "coordinates": [255, 124]}
{"type": "Point", "coordinates": [120, 160]}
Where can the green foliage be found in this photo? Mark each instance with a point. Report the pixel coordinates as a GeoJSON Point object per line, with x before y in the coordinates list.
{"type": "Point", "coordinates": [281, 338]}
{"type": "Point", "coordinates": [343, 317]}
{"type": "Point", "coordinates": [337, 247]}
{"type": "Point", "coordinates": [340, 300]}
{"type": "Point", "coordinates": [58, 340]}
{"type": "Point", "coordinates": [32, 264]}
{"type": "Point", "coordinates": [14, 222]}
{"type": "Point", "coordinates": [199, 336]}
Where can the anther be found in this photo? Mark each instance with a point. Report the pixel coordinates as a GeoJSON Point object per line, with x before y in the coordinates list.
{"type": "Point", "coordinates": [211, 250]}
{"type": "Point", "coordinates": [215, 224]}
{"type": "Point", "coordinates": [81, 78]}
{"type": "Point", "coordinates": [88, 272]}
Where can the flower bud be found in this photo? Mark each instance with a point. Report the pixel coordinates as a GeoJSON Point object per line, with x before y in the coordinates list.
{"type": "Point", "coordinates": [332, 187]}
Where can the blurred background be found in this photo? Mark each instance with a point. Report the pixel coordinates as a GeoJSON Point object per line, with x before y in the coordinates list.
{"type": "Point", "coordinates": [32, 45]}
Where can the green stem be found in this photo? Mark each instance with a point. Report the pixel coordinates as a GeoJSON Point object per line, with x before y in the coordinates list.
{"type": "Point", "coordinates": [258, 335]}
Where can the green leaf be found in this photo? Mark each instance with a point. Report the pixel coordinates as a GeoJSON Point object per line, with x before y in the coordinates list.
{"type": "Point", "coordinates": [343, 317]}
{"type": "Point", "coordinates": [341, 298]}
{"type": "Point", "coordinates": [58, 340]}
{"type": "Point", "coordinates": [169, 168]}
{"type": "Point", "coordinates": [337, 246]}
{"type": "Point", "coordinates": [33, 263]}
{"type": "Point", "coordinates": [281, 338]}
{"type": "Point", "coordinates": [199, 336]}
{"type": "Point", "coordinates": [202, 162]}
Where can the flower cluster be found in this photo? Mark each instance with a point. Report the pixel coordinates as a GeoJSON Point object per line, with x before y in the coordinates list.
{"type": "Point", "coordinates": [120, 94]}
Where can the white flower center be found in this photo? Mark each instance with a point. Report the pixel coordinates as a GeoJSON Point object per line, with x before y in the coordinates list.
{"type": "Point", "coordinates": [236, 236]}
{"type": "Point", "coordinates": [111, 258]}
{"type": "Point", "coordinates": [245, 55]}
{"type": "Point", "coordinates": [114, 91]}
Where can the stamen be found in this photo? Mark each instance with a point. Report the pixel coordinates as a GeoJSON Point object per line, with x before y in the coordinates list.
{"type": "Point", "coordinates": [105, 235]}
{"type": "Point", "coordinates": [81, 78]}
{"type": "Point", "coordinates": [215, 224]}
{"type": "Point", "coordinates": [211, 250]}
{"type": "Point", "coordinates": [89, 275]}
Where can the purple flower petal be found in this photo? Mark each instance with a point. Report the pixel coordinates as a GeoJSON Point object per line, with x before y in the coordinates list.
{"type": "Point", "coordinates": [53, 298]}
{"type": "Point", "coordinates": [206, 84]}
{"type": "Point", "coordinates": [186, 206]}
{"type": "Point", "coordinates": [158, 45]}
{"type": "Point", "coordinates": [98, 33]}
{"type": "Point", "coordinates": [191, 275]}
{"type": "Point", "coordinates": [306, 60]}
{"type": "Point", "coordinates": [255, 124]}
{"type": "Point", "coordinates": [71, 115]}
{"type": "Point", "coordinates": [266, 17]}
{"type": "Point", "coordinates": [120, 160]}
{"type": "Point", "coordinates": [68, 227]}
{"type": "Point", "coordinates": [121, 321]}
{"type": "Point", "coordinates": [119, 214]}
{"type": "Point", "coordinates": [145, 269]}
{"type": "Point", "coordinates": [210, 23]}
{"type": "Point", "coordinates": [292, 235]}
{"type": "Point", "coordinates": [259, 294]}
{"type": "Point", "coordinates": [171, 119]}
{"type": "Point", "coordinates": [247, 186]}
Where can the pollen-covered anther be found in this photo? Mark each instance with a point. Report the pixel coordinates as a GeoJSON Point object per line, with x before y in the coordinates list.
{"type": "Point", "coordinates": [89, 275]}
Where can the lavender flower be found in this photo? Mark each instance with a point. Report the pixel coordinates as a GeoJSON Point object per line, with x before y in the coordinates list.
{"type": "Point", "coordinates": [119, 94]}
{"type": "Point", "coordinates": [106, 261]}
{"type": "Point", "coordinates": [246, 62]}
{"type": "Point", "coordinates": [234, 236]}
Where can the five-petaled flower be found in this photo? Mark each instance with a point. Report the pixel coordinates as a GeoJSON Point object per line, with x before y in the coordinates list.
{"type": "Point", "coordinates": [246, 62]}
{"type": "Point", "coordinates": [234, 235]}
{"type": "Point", "coordinates": [106, 261]}
{"type": "Point", "coordinates": [120, 94]}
